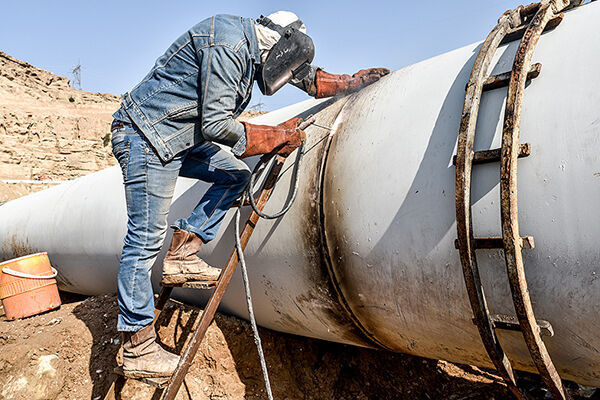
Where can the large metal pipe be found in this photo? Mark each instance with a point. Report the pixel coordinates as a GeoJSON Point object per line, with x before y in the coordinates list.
{"type": "Point", "coordinates": [366, 255]}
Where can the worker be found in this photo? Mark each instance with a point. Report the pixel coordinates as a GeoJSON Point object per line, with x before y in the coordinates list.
{"type": "Point", "coordinates": [172, 123]}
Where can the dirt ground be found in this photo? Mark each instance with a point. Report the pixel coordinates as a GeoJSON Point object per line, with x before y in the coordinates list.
{"type": "Point", "coordinates": [70, 353]}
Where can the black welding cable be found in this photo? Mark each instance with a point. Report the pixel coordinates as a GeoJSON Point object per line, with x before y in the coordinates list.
{"type": "Point", "coordinates": [257, 341]}
{"type": "Point", "coordinates": [240, 252]}
{"type": "Point", "coordinates": [257, 170]}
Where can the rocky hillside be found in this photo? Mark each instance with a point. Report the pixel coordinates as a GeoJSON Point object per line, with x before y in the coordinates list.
{"type": "Point", "coordinates": [49, 130]}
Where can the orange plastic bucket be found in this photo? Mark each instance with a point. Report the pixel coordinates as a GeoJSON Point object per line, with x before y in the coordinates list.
{"type": "Point", "coordinates": [27, 286]}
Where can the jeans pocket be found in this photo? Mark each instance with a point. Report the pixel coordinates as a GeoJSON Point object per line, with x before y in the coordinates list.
{"type": "Point", "coordinates": [120, 148]}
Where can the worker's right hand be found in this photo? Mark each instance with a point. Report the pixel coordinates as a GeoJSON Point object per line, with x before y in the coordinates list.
{"type": "Point", "coordinates": [282, 139]}
{"type": "Point", "coordinates": [294, 136]}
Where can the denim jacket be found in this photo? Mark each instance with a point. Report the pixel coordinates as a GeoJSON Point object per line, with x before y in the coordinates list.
{"type": "Point", "coordinates": [197, 88]}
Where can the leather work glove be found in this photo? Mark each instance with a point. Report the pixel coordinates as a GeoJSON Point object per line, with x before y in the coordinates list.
{"type": "Point", "coordinates": [282, 139]}
{"type": "Point", "coordinates": [332, 85]}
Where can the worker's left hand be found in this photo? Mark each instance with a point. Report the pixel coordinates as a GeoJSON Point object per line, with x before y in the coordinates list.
{"type": "Point", "coordinates": [365, 77]}
{"type": "Point", "coordinates": [332, 85]}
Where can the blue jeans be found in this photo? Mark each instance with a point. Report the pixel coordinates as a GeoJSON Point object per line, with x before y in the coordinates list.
{"type": "Point", "coordinates": [149, 185]}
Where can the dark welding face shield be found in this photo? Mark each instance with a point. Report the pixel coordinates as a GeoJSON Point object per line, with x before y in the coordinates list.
{"type": "Point", "coordinates": [289, 58]}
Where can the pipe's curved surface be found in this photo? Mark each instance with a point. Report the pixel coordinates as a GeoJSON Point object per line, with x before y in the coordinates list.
{"type": "Point", "coordinates": [366, 255]}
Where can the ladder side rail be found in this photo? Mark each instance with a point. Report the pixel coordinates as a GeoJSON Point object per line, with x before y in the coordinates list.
{"type": "Point", "coordinates": [508, 199]}
{"type": "Point", "coordinates": [464, 162]}
{"type": "Point", "coordinates": [213, 303]}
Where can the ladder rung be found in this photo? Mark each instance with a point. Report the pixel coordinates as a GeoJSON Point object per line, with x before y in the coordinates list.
{"type": "Point", "coordinates": [489, 156]}
{"type": "Point", "coordinates": [511, 323]}
{"type": "Point", "coordinates": [159, 383]}
{"type": "Point", "coordinates": [517, 33]}
{"type": "Point", "coordinates": [529, 10]}
{"type": "Point", "coordinates": [502, 80]}
{"type": "Point", "coordinates": [576, 3]}
{"type": "Point", "coordinates": [192, 285]}
{"type": "Point", "coordinates": [527, 242]}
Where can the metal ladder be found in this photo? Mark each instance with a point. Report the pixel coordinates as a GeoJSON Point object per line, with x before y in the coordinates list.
{"type": "Point", "coordinates": [167, 388]}
{"type": "Point", "coordinates": [526, 23]}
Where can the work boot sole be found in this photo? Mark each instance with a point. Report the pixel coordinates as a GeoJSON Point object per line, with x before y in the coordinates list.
{"type": "Point", "coordinates": [178, 279]}
{"type": "Point", "coordinates": [144, 374]}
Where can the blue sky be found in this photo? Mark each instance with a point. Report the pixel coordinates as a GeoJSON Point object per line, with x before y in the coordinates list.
{"type": "Point", "coordinates": [118, 41]}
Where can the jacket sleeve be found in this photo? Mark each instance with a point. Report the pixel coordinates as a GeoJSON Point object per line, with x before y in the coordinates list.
{"type": "Point", "coordinates": [222, 72]}
{"type": "Point", "coordinates": [307, 84]}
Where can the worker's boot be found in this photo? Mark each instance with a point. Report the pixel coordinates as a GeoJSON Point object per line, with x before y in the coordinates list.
{"type": "Point", "coordinates": [181, 263]}
{"type": "Point", "coordinates": [142, 357]}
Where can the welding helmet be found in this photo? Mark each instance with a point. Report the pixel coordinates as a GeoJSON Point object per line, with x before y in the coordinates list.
{"type": "Point", "coordinates": [289, 58]}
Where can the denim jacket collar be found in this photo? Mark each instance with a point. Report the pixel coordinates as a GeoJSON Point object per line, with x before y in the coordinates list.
{"type": "Point", "coordinates": [250, 33]}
